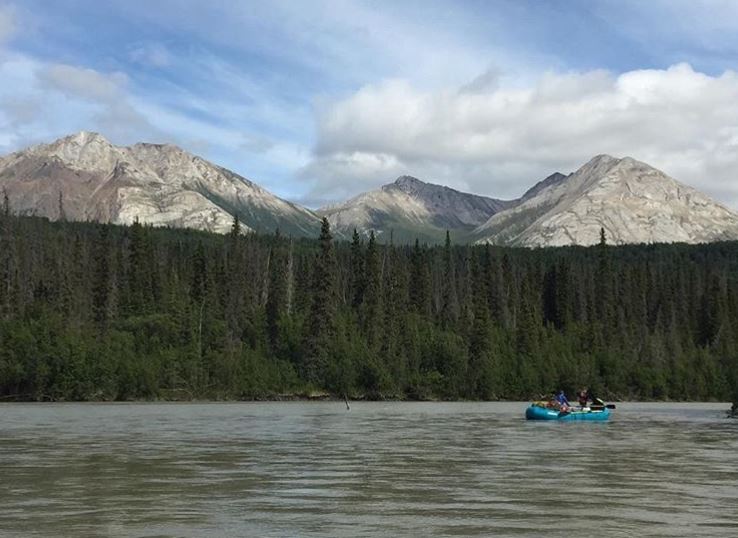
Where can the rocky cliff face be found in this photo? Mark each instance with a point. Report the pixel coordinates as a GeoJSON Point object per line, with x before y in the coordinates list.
{"type": "Point", "coordinates": [632, 201]}
{"type": "Point", "coordinates": [410, 208]}
{"type": "Point", "coordinates": [85, 177]}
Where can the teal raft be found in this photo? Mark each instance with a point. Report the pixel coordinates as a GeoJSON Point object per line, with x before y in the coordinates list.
{"type": "Point", "coordinates": [537, 412]}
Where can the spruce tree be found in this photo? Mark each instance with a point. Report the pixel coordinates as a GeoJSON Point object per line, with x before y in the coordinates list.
{"type": "Point", "coordinates": [358, 272]}
{"type": "Point", "coordinates": [137, 277]}
{"type": "Point", "coordinates": [372, 311]}
{"type": "Point", "coordinates": [235, 227]}
{"type": "Point", "coordinates": [8, 262]}
{"type": "Point", "coordinates": [450, 301]}
{"type": "Point", "coordinates": [420, 282]}
{"type": "Point", "coordinates": [102, 279]}
{"type": "Point", "coordinates": [276, 305]}
{"type": "Point", "coordinates": [395, 309]}
{"type": "Point", "coordinates": [199, 275]}
{"type": "Point", "coordinates": [62, 214]}
{"type": "Point", "coordinates": [213, 320]}
{"type": "Point", "coordinates": [6, 204]}
{"type": "Point", "coordinates": [604, 299]}
{"type": "Point", "coordinates": [528, 339]}
{"type": "Point", "coordinates": [482, 374]}
{"type": "Point", "coordinates": [321, 325]}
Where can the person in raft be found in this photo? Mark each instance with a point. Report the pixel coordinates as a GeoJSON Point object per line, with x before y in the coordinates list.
{"type": "Point", "coordinates": [587, 395]}
{"type": "Point", "coordinates": [583, 398]}
{"type": "Point", "coordinates": [561, 401]}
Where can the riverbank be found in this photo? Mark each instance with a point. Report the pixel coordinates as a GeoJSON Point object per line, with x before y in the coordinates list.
{"type": "Point", "coordinates": [181, 396]}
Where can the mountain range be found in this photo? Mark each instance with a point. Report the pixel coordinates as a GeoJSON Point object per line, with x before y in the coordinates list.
{"type": "Point", "coordinates": [632, 201]}
{"type": "Point", "coordinates": [85, 177]}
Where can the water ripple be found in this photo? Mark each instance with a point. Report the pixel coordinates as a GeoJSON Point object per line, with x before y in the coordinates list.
{"type": "Point", "coordinates": [381, 469]}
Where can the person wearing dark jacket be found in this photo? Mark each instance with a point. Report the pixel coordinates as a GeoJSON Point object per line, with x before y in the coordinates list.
{"type": "Point", "coordinates": [562, 401]}
{"type": "Point", "coordinates": [587, 395]}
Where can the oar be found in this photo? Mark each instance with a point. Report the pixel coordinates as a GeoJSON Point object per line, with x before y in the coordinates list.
{"type": "Point", "coordinates": [596, 407]}
{"type": "Point", "coordinates": [601, 403]}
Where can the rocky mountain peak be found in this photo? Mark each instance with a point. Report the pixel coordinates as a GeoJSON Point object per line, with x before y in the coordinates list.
{"type": "Point", "coordinates": [158, 184]}
{"type": "Point", "coordinates": [632, 201]}
{"type": "Point", "coordinates": [550, 181]}
{"type": "Point", "coordinates": [162, 184]}
{"type": "Point", "coordinates": [597, 166]}
{"type": "Point", "coordinates": [86, 137]}
{"type": "Point", "coordinates": [84, 150]}
{"type": "Point", "coordinates": [409, 208]}
{"type": "Point", "coordinates": [408, 180]}
{"type": "Point", "coordinates": [602, 158]}
{"type": "Point", "coordinates": [73, 144]}
{"type": "Point", "coordinates": [409, 185]}
{"type": "Point", "coordinates": [415, 187]}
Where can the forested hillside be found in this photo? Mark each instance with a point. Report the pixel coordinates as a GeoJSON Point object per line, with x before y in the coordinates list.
{"type": "Point", "coordinates": [91, 311]}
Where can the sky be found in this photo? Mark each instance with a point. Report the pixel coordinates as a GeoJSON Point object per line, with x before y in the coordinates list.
{"type": "Point", "coordinates": [321, 100]}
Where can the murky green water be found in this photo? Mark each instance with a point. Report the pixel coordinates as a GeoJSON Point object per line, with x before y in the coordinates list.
{"type": "Point", "coordinates": [394, 469]}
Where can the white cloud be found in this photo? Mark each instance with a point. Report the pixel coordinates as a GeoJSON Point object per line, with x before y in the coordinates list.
{"type": "Point", "coordinates": [500, 141]}
{"type": "Point", "coordinates": [83, 83]}
{"type": "Point", "coordinates": [103, 96]}
{"type": "Point", "coordinates": [7, 23]}
{"type": "Point", "coordinates": [41, 101]}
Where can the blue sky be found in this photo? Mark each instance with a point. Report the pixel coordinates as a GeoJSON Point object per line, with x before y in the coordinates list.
{"type": "Point", "coordinates": [320, 100]}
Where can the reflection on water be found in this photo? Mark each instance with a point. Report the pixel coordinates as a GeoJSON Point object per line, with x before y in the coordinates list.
{"type": "Point", "coordinates": [380, 469]}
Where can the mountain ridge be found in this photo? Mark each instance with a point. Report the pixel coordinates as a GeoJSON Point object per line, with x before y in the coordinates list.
{"type": "Point", "coordinates": [631, 200]}
{"type": "Point", "coordinates": [83, 176]}
{"type": "Point", "coordinates": [408, 208]}
{"type": "Point", "coordinates": [158, 184]}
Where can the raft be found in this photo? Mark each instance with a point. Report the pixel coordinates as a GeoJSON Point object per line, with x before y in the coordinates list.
{"type": "Point", "coordinates": [537, 412]}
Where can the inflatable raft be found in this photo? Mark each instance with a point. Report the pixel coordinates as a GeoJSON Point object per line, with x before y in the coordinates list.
{"type": "Point", "coordinates": [538, 412]}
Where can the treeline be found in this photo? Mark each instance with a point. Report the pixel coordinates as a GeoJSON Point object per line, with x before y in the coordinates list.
{"type": "Point", "coordinates": [102, 312]}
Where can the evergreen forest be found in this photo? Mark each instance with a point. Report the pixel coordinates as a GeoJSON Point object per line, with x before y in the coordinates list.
{"type": "Point", "coordinates": [102, 312]}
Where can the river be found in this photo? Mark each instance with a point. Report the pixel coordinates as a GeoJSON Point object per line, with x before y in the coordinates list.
{"type": "Point", "coordinates": [378, 469]}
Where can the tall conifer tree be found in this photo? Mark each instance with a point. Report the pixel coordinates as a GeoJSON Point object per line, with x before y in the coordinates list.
{"type": "Point", "coordinates": [322, 318]}
{"type": "Point", "coordinates": [276, 305]}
